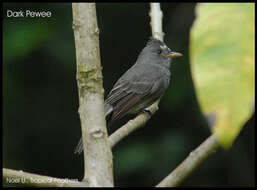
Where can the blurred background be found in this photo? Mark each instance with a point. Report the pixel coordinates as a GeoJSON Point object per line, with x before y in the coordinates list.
{"type": "Point", "coordinates": [41, 125]}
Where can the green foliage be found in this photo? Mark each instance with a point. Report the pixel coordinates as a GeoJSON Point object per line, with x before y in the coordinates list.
{"type": "Point", "coordinates": [222, 52]}
{"type": "Point", "coordinates": [22, 40]}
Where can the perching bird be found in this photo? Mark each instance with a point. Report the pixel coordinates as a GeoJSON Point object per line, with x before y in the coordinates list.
{"type": "Point", "coordinates": [143, 84]}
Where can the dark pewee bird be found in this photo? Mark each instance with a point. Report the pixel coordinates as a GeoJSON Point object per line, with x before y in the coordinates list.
{"type": "Point", "coordinates": [143, 84]}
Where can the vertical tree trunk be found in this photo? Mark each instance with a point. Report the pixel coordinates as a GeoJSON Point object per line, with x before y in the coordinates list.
{"type": "Point", "coordinates": [97, 152]}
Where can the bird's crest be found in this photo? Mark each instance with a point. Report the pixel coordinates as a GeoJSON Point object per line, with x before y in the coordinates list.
{"type": "Point", "coordinates": [152, 41]}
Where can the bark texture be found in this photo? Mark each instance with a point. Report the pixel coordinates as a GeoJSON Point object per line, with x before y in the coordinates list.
{"type": "Point", "coordinates": [97, 152]}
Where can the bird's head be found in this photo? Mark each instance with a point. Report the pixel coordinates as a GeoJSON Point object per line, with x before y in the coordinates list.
{"type": "Point", "coordinates": [160, 50]}
{"type": "Point", "coordinates": [157, 52]}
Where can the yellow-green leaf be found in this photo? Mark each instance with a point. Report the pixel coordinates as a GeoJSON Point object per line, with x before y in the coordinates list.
{"type": "Point", "coordinates": [222, 57]}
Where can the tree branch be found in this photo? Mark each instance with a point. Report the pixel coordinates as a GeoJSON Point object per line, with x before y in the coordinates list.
{"type": "Point", "coordinates": [131, 126]}
{"type": "Point", "coordinates": [19, 177]}
{"type": "Point", "coordinates": [97, 152]}
{"type": "Point", "coordinates": [156, 20]}
{"type": "Point", "coordinates": [194, 159]}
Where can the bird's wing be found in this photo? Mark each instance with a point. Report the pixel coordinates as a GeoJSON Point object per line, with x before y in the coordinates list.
{"type": "Point", "coordinates": [126, 95]}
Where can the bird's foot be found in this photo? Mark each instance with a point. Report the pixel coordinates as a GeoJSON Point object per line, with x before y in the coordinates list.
{"type": "Point", "coordinates": [148, 113]}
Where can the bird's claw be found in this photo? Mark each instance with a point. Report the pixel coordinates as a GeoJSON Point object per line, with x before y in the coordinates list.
{"type": "Point", "coordinates": [148, 113]}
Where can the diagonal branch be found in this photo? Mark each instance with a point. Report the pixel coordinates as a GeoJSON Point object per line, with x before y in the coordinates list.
{"type": "Point", "coordinates": [194, 159]}
{"type": "Point", "coordinates": [131, 126]}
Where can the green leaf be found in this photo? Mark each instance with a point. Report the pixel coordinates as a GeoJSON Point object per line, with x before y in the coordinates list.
{"type": "Point", "coordinates": [222, 57]}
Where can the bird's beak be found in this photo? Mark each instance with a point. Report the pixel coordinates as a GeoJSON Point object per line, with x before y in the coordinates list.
{"type": "Point", "coordinates": [174, 55]}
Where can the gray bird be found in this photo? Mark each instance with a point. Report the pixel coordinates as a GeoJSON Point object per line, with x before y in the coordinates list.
{"type": "Point", "coordinates": [143, 84]}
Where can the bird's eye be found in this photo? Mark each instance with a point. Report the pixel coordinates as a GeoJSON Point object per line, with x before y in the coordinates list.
{"type": "Point", "coordinates": [159, 51]}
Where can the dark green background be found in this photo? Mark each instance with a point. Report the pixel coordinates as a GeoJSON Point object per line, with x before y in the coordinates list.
{"type": "Point", "coordinates": [41, 126]}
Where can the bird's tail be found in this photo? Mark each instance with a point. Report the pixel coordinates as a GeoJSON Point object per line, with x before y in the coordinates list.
{"type": "Point", "coordinates": [107, 110]}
